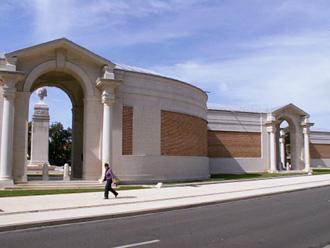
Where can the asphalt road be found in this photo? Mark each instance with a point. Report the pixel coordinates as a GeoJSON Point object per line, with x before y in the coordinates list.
{"type": "Point", "coordinates": [296, 219]}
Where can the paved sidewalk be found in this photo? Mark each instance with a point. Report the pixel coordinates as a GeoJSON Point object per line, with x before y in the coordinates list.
{"type": "Point", "coordinates": [29, 211]}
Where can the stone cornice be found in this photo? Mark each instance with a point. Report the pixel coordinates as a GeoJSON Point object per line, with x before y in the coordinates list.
{"type": "Point", "coordinates": [107, 84]}
{"type": "Point", "coordinates": [11, 75]}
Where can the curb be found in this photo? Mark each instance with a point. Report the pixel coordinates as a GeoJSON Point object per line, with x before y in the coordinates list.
{"type": "Point", "coordinates": [137, 213]}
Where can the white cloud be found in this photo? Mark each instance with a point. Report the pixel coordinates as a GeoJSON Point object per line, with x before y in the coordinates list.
{"type": "Point", "coordinates": [113, 21]}
{"type": "Point", "coordinates": [296, 70]}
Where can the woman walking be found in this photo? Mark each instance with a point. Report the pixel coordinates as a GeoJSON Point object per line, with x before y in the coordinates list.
{"type": "Point", "coordinates": [108, 177]}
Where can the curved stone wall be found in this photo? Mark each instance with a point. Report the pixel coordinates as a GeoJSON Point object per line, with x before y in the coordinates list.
{"type": "Point", "coordinates": [166, 122]}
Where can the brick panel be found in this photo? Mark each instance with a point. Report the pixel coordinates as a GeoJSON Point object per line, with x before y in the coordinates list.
{"type": "Point", "coordinates": [127, 138]}
{"type": "Point", "coordinates": [228, 144]}
{"type": "Point", "coordinates": [183, 135]}
{"type": "Point", "coordinates": [320, 151]}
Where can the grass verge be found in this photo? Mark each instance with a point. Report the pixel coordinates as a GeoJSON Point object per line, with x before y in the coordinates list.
{"type": "Point", "coordinates": [29, 192]}
{"type": "Point", "coordinates": [224, 177]}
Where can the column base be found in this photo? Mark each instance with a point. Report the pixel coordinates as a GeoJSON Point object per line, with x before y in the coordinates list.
{"type": "Point", "coordinates": [6, 183]}
{"type": "Point", "coordinates": [272, 171]}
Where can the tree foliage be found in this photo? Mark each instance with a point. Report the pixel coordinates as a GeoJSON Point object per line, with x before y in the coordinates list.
{"type": "Point", "coordinates": [60, 144]}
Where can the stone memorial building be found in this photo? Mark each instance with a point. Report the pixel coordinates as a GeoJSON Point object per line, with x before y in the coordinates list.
{"type": "Point", "coordinates": [150, 127]}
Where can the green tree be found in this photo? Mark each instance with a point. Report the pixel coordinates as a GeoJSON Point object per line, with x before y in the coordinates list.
{"type": "Point", "coordinates": [60, 144]}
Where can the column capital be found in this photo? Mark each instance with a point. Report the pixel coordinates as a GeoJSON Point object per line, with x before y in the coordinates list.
{"type": "Point", "coordinates": [107, 87]}
{"type": "Point", "coordinates": [271, 123]}
{"type": "Point", "coordinates": [306, 123]}
{"type": "Point", "coordinates": [8, 80]}
{"type": "Point", "coordinates": [270, 128]}
{"type": "Point", "coordinates": [10, 77]}
{"type": "Point", "coordinates": [306, 130]}
{"type": "Point", "coordinates": [9, 92]}
{"type": "Point", "coordinates": [108, 97]}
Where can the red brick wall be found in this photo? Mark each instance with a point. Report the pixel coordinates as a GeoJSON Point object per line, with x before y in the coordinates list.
{"type": "Point", "coordinates": [183, 135]}
{"type": "Point", "coordinates": [320, 151]}
{"type": "Point", "coordinates": [228, 144]}
{"type": "Point", "coordinates": [127, 138]}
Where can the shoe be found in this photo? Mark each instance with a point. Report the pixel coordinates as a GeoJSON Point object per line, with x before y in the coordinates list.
{"type": "Point", "coordinates": [105, 198]}
{"type": "Point", "coordinates": [116, 195]}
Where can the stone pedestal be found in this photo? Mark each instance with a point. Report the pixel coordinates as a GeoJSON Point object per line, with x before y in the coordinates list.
{"type": "Point", "coordinates": [40, 133]}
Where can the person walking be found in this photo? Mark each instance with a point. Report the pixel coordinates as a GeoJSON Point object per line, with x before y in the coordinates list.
{"type": "Point", "coordinates": [108, 186]}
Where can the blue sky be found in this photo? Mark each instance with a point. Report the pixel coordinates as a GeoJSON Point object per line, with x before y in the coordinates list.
{"type": "Point", "coordinates": [244, 52]}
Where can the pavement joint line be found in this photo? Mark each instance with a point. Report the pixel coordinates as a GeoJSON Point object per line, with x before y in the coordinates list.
{"type": "Point", "coordinates": [138, 244]}
{"type": "Point", "coordinates": [64, 221]}
{"type": "Point", "coordinates": [147, 201]}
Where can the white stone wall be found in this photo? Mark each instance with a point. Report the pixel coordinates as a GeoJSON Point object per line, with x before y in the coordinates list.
{"type": "Point", "coordinates": [237, 165]}
{"type": "Point", "coordinates": [148, 95]}
{"type": "Point", "coordinates": [225, 120]}
{"type": "Point", "coordinates": [320, 137]}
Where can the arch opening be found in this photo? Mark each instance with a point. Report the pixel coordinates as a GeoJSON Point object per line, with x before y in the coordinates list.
{"type": "Point", "coordinates": [71, 87]}
{"type": "Point", "coordinates": [284, 146]}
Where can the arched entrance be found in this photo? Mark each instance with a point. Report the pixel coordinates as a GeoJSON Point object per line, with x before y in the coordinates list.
{"type": "Point", "coordinates": [89, 81]}
{"type": "Point", "coordinates": [287, 154]}
{"type": "Point", "coordinates": [296, 132]}
{"type": "Point", "coordinates": [71, 86]}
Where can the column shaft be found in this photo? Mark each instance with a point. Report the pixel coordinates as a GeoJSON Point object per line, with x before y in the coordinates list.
{"type": "Point", "coordinates": [7, 138]}
{"type": "Point", "coordinates": [272, 152]}
{"type": "Point", "coordinates": [106, 135]}
{"type": "Point", "coordinates": [306, 151]}
{"type": "Point", "coordinates": [282, 153]}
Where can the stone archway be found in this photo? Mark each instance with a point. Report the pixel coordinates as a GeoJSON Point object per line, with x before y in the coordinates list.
{"type": "Point", "coordinates": [89, 81]}
{"type": "Point", "coordinates": [298, 121]}
{"type": "Point", "coordinates": [294, 149]}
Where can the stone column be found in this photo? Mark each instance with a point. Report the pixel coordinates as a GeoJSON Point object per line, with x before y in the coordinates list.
{"type": "Point", "coordinates": [8, 79]}
{"type": "Point", "coordinates": [107, 100]}
{"type": "Point", "coordinates": [270, 123]}
{"type": "Point", "coordinates": [107, 87]}
{"type": "Point", "coordinates": [282, 148]}
{"type": "Point", "coordinates": [306, 149]}
{"type": "Point", "coordinates": [306, 132]}
{"type": "Point", "coordinates": [40, 131]}
{"type": "Point", "coordinates": [7, 133]}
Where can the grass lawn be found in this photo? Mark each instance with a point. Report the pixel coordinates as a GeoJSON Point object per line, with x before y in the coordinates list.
{"type": "Point", "coordinates": [28, 192]}
{"type": "Point", "coordinates": [224, 177]}
{"type": "Point", "coordinates": [320, 171]}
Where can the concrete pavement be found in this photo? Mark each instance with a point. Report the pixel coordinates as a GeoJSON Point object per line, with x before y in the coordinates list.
{"type": "Point", "coordinates": [29, 211]}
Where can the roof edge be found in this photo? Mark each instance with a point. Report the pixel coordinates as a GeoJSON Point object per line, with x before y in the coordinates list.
{"type": "Point", "coordinates": [58, 42]}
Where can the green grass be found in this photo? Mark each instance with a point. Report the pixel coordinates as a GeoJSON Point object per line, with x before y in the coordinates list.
{"type": "Point", "coordinates": [224, 177]}
{"type": "Point", "coordinates": [29, 192]}
{"type": "Point", "coordinates": [321, 171]}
